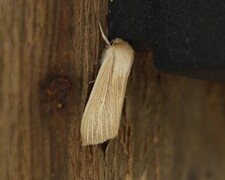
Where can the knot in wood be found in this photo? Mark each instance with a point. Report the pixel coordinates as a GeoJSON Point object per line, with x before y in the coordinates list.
{"type": "Point", "coordinates": [58, 89]}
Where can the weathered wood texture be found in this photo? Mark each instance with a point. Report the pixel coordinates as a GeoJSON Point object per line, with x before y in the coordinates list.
{"type": "Point", "coordinates": [172, 128]}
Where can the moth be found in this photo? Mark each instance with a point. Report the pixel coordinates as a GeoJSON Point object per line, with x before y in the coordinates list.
{"type": "Point", "coordinates": [102, 114]}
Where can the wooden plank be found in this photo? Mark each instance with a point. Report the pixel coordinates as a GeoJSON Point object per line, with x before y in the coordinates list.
{"type": "Point", "coordinates": [178, 125]}
{"type": "Point", "coordinates": [171, 127]}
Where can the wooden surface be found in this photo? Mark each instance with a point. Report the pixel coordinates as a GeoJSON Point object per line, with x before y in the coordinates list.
{"type": "Point", "coordinates": [172, 128]}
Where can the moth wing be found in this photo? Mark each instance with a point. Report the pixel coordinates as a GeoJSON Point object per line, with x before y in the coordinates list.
{"type": "Point", "coordinates": [121, 72]}
{"type": "Point", "coordinates": [98, 122]}
{"type": "Point", "coordinates": [102, 114]}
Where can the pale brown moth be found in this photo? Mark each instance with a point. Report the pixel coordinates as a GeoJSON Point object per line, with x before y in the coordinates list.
{"type": "Point", "coordinates": [102, 113]}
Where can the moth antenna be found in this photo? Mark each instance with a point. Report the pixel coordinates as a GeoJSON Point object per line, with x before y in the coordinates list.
{"type": "Point", "coordinates": [103, 34]}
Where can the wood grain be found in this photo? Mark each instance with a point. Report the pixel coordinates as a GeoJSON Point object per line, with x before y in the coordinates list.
{"type": "Point", "coordinates": [171, 127]}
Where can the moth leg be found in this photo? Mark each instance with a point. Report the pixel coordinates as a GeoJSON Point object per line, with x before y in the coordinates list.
{"type": "Point", "coordinates": [91, 82]}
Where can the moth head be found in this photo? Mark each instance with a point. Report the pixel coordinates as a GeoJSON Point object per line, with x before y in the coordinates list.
{"type": "Point", "coordinates": [117, 41]}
